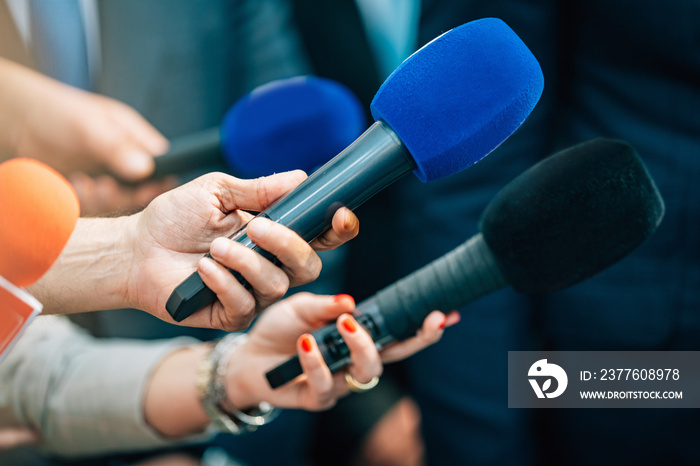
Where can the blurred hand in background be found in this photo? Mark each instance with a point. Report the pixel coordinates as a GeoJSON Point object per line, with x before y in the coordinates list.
{"type": "Point", "coordinates": [78, 133]}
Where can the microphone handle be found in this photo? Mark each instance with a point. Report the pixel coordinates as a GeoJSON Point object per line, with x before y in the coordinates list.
{"type": "Point", "coordinates": [201, 149]}
{"type": "Point", "coordinates": [397, 312]}
{"type": "Point", "coordinates": [186, 153]}
{"type": "Point", "coordinates": [374, 161]}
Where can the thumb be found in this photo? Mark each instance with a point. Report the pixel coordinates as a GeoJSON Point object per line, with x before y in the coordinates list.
{"type": "Point", "coordinates": [315, 310]}
{"type": "Point", "coordinates": [131, 164]}
{"type": "Point", "coordinates": [257, 194]}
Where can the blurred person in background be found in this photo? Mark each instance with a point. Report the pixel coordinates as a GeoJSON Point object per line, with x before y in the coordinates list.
{"type": "Point", "coordinates": [614, 69]}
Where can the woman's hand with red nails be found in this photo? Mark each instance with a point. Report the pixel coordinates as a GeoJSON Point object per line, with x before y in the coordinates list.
{"type": "Point", "coordinates": [433, 327]}
{"type": "Point", "coordinates": [280, 332]}
{"type": "Point", "coordinates": [285, 329]}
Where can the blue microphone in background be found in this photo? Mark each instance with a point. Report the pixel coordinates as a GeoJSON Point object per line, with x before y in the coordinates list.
{"type": "Point", "coordinates": [287, 124]}
{"type": "Point", "coordinates": [442, 110]}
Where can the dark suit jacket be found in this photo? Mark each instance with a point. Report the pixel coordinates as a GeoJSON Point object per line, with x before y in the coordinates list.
{"type": "Point", "coordinates": [182, 64]}
{"type": "Point", "coordinates": [620, 69]}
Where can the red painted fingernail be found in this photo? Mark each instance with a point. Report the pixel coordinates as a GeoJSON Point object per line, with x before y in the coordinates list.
{"type": "Point", "coordinates": [339, 297]}
{"type": "Point", "coordinates": [349, 323]}
{"type": "Point", "coordinates": [442, 324]}
{"type": "Point", "coordinates": [306, 344]}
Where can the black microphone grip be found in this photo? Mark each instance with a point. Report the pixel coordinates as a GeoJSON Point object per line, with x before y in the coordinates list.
{"type": "Point", "coordinates": [372, 162]}
{"type": "Point", "coordinates": [190, 152]}
{"type": "Point", "coordinates": [196, 151]}
{"type": "Point", "coordinates": [199, 294]}
{"type": "Point", "coordinates": [397, 312]}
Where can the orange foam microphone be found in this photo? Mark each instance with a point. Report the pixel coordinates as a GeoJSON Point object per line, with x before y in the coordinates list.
{"type": "Point", "coordinates": [39, 210]}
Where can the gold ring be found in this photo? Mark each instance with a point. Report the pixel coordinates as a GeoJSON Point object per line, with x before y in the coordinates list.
{"type": "Point", "coordinates": [358, 387]}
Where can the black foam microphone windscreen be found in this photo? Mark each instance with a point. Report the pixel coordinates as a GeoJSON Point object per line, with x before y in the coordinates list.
{"type": "Point", "coordinates": [571, 216]}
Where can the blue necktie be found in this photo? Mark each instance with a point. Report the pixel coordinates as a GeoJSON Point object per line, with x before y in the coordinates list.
{"type": "Point", "coordinates": [58, 41]}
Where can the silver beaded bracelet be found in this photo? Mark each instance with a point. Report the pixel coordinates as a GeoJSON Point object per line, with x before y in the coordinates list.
{"type": "Point", "coordinates": [211, 383]}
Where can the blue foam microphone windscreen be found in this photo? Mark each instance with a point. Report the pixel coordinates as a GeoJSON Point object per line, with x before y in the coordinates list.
{"type": "Point", "coordinates": [287, 124]}
{"type": "Point", "coordinates": [296, 123]}
{"type": "Point", "coordinates": [487, 85]}
{"type": "Point", "coordinates": [446, 107]}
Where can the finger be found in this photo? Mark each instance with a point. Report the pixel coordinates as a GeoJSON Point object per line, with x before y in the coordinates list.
{"type": "Point", "coordinates": [452, 318]}
{"type": "Point", "coordinates": [432, 330]}
{"type": "Point", "coordinates": [366, 363]}
{"type": "Point", "coordinates": [237, 304]}
{"type": "Point", "coordinates": [14, 437]}
{"type": "Point", "coordinates": [88, 195]}
{"type": "Point", "coordinates": [104, 195]}
{"type": "Point", "coordinates": [319, 380]}
{"type": "Point", "coordinates": [142, 133]}
{"type": "Point", "coordinates": [259, 193]}
{"type": "Point", "coordinates": [131, 163]}
{"type": "Point", "coordinates": [101, 196]}
{"type": "Point", "coordinates": [345, 226]}
{"type": "Point", "coordinates": [301, 263]}
{"type": "Point", "coordinates": [313, 311]}
{"type": "Point", "coordinates": [110, 195]}
{"type": "Point", "coordinates": [269, 282]}
{"type": "Point", "coordinates": [113, 148]}
{"type": "Point", "coordinates": [83, 185]}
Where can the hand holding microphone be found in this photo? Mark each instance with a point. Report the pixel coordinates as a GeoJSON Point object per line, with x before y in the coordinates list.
{"type": "Point", "coordinates": [284, 125]}
{"type": "Point", "coordinates": [288, 124]}
{"type": "Point", "coordinates": [283, 329]}
{"type": "Point", "coordinates": [560, 222]}
{"type": "Point", "coordinates": [442, 110]}
{"type": "Point", "coordinates": [135, 261]}
{"type": "Point", "coordinates": [74, 131]}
